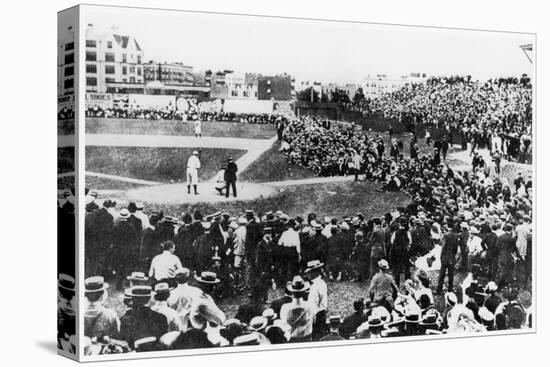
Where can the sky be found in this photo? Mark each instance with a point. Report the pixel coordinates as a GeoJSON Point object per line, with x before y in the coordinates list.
{"type": "Point", "coordinates": [325, 51]}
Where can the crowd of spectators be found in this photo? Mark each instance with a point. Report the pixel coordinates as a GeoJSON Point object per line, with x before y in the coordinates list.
{"type": "Point", "coordinates": [475, 110]}
{"type": "Point", "coordinates": [176, 269]}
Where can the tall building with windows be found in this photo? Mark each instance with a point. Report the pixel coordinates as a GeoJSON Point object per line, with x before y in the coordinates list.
{"type": "Point", "coordinates": [66, 63]}
{"type": "Point", "coordinates": [114, 62]}
{"type": "Point", "coordinates": [276, 88]}
{"type": "Point", "coordinates": [174, 73]}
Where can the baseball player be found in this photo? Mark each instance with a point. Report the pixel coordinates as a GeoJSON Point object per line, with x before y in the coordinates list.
{"type": "Point", "coordinates": [198, 129]}
{"type": "Point", "coordinates": [193, 166]}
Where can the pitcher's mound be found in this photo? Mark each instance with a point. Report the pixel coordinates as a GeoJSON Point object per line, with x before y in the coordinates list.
{"type": "Point", "coordinates": [177, 193]}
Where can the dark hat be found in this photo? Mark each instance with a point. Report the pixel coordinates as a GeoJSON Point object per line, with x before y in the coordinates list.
{"type": "Point", "coordinates": [95, 284]}
{"type": "Point", "coordinates": [207, 277]}
{"type": "Point", "coordinates": [334, 320]}
{"type": "Point", "coordinates": [298, 285]}
{"type": "Point", "coordinates": [65, 281]}
{"type": "Point", "coordinates": [249, 212]}
{"type": "Point", "coordinates": [412, 318]}
{"type": "Point", "coordinates": [140, 291]}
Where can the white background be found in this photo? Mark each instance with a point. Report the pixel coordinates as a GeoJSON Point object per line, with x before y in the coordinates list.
{"type": "Point", "coordinates": [28, 156]}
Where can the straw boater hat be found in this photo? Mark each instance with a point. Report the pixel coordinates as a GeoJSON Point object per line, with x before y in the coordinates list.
{"type": "Point", "coordinates": [258, 323]}
{"type": "Point", "coordinates": [269, 314]}
{"type": "Point", "coordinates": [195, 152]}
{"type": "Point", "coordinates": [66, 282]}
{"type": "Point", "coordinates": [298, 285]}
{"type": "Point", "coordinates": [124, 213]}
{"type": "Point", "coordinates": [313, 265]}
{"type": "Point", "coordinates": [383, 264]}
{"type": "Point", "coordinates": [95, 284]}
{"type": "Point", "coordinates": [162, 288]}
{"type": "Point", "coordinates": [374, 321]}
{"type": "Point", "coordinates": [140, 291]}
{"type": "Point", "coordinates": [137, 276]}
{"type": "Point", "coordinates": [207, 277]}
{"type": "Point", "coordinates": [435, 231]}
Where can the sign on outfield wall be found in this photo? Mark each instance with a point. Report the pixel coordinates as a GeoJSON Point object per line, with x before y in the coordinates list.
{"type": "Point", "coordinates": [148, 101]}
{"type": "Point", "coordinates": [66, 101]}
{"type": "Point", "coordinates": [101, 100]}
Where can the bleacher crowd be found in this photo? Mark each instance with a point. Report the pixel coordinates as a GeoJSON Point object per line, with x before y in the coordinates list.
{"type": "Point", "coordinates": [475, 110]}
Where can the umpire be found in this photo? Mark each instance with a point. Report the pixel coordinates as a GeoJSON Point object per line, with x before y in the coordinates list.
{"type": "Point", "coordinates": [230, 177]}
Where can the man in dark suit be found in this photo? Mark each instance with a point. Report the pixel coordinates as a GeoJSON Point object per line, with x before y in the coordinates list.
{"type": "Point", "coordinates": [126, 246]}
{"type": "Point", "coordinates": [352, 322]}
{"type": "Point", "coordinates": [230, 177]}
{"type": "Point", "coordinates": [140, 321]}
{"type": "Point", "coordinates": [184, 243]}
{"type": "Point", "coordinates": [254, 307]}
{"type": "Point", "coordinates": [449, 249]}
{"type": "Point", "coordinates": [133, 220]}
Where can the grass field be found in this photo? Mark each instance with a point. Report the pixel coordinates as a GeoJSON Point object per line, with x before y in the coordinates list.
{"type": "Point", "coordinates": [154, 164]}
{"type": "Point", "coordinates": [170, 127]}
{"type": "Point", "coordinates": [65, 127]}
{"type": "Point", "coordinates": [331, 199]}
{"type": "Point", "coordinates": [273, 166]}
{"type": "Point", "coordinates": [100, 183]}
{"type": "Point", "coordinates": [65, 160]}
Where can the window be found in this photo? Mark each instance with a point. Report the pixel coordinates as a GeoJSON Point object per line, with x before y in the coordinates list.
{"type": "Point", "coordinates": [132, 79]}
{"type": "Point", "coordinates": [256, 94]}
{"type": "Point", "coordinates": [109, 44]}
{"type": "Point", "coordinates": [91, 68]}
{"type": "Point", "coordinates": [109, 57]}
{"type": "Point", "coordinates": [69, 71]}
{"type": "Point", "coordinates": [109, 80]}
{"type": "Point", "coordinates": [123, 57]}
{"type": "Point", "coordinates": [69, 46]}
{"type": "Point", "coordinates": [234, 93]}
{"type": "Point", "coordinates": [246, 94]}
{"type": "Point", "coordinates": [124, 80]}
{"type": "Point", "coordinates": [91, 43]}
{"type": "Point", "coordinates": [91, 82]}
{"type": "Point", "coordinates": [139, 59]}
{"type": "Point", "coordinates": [68, 83]}
{"type": "Point", "coordinates": [124, 70]}
{"type": "Point", "coordinates": [132, 69]}
{"type": "Point", "coordinates": [91, 56]}
{"type": "Point", "coordinates": [69, 58]}
{"type": "Point", "coordinates": [139, 71]}
{"type": "Point", "coordinates": [109, 69]}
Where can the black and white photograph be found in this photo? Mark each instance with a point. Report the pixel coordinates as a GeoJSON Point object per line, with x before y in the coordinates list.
{"type": "Point", "coordinates": [267, 182]}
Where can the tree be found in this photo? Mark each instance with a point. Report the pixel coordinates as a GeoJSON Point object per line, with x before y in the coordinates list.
{"type": "Point", "coordinates": [339, 96]}
{"type": "Point", "coordinates": [307, 94]}
{"type": "Point", "coordinates": [359, 96]}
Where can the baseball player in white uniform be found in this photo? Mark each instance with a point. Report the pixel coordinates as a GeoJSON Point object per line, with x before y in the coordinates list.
{"type": "Point", "coordinates": [198, 129]}
{"type": "Point", "coordinates": [193, 166]}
